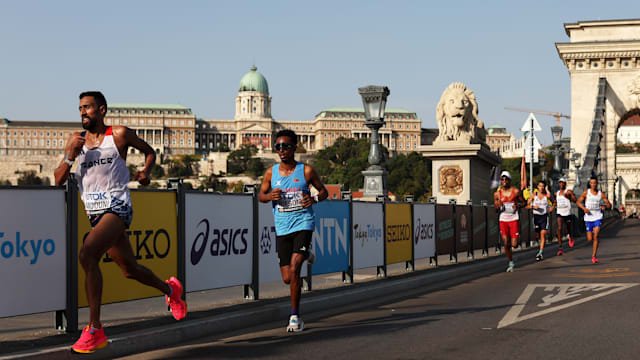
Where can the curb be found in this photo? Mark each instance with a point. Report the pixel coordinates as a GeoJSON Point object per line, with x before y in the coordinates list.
{"type": "Point", "coordinates": [379, 291]}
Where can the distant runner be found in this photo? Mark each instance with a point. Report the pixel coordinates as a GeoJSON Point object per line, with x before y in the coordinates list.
{"type": "Point", "coordinates": [591, 203]}
{"type": "Point", "coordinates": [286, 185]}
{"type": "Point", "coordinates": [507, 200]}
{"type": "Point", "coordinates": [540, 205]}
{"type": "Point", "coordinates": [102, 177]}
{"type": "Point", "coordinates": [562, 202]}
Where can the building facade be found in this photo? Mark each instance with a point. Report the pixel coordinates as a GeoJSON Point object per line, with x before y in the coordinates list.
{"type": "Point", "coordinates": [629, 131]}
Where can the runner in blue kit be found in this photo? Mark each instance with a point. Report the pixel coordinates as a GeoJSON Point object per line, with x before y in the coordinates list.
{"type": "Point", "coordinates": [591, 203]}
{"type": "Point", "coordinates": [102, 177]}
{"type": "Point", "coordinates": [286, 185]}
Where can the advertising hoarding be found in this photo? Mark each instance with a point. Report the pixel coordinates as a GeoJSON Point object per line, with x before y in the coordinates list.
{"type": "Point", "coordinates": [445, 230]}
{"type": "Point", "coordinates": [218, 239]}
{"type": "Point", "coordinates": [424, 239]}
{"type": "Point", "coordinates": [33, 250]}
{"type": "Point", "coordinates": [330, 240]}
{"type": "Point", "coordinates": [398, 232]}
{"type": "Point", "coordinates": [368, 237]}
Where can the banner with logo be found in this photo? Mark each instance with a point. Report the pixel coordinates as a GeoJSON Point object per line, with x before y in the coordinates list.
{"type": "Point", "coordinates": [445, 230]}
{"type": "Point", "coordinates": [33, 250]}
{"type": "Point", "coordinates": [424, 240]}
{"type": "Point", "coordinates": [463, 228]}
{"type": "Point", "coordinates": [368, 239]}
{"type": "Point", "coordinates": [153, 236]}
{"type": "Point", "coordinates": [218, 239]}
{"type": "Point", "coordinates": [479, 227]}
{"type": "Point", "coordinates": [398, 232]}
{"type": "Point", "coordinates": [331, 237]}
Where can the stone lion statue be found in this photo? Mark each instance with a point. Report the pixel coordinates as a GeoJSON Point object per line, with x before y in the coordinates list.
{"type": "Point", "coordinates": [457, 116]}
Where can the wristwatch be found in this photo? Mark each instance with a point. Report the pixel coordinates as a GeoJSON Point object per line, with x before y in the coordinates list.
{"type": "Point", "coordinates": [66, 159]}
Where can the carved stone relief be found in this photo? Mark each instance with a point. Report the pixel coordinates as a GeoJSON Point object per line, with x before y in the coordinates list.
{"type": "Point", "coordinates": [451, 180]}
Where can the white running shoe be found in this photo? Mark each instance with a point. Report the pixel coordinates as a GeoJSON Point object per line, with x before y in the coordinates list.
{"type": "Point", "coordinates": [311, 258]}
{"type": "Point", "coordinates": [295, 324]}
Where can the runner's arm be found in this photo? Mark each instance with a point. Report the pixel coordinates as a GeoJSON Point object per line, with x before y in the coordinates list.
{"type": "Point", "coordinates": [313, 178]}
{"type": "Point", "coordinates": [580, 202]}
{"type": "Point", "coordinates": [604, 197]}
{"type": "Point", "coordinates": [71, 151]}
{"type": "Point", "coordinates": [132, 139]}
{"type": "Point", "coordinates": [265, 188]}
{"type": "Point", "coordinates": [496, 201]}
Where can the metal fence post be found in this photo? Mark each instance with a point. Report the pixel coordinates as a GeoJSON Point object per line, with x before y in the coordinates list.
{"type": "Point", "coordinates": [347, 276]}
{"type": "Point", "coordinates": [252, 291]}
{"type": "Point", "coordinates": [382, 270]}
{"type": "Point", "coordinates": [67, 320]}
{"type": "Point", "coordinates": [410, 265]}
{"type": "Point", "coordinates": [471, 249]}
{"type": "Point", "coordinates": [453, 258]}
{"type": "Point", "coordinates": [433, 261]}
{"type": "Point", "coordinates": [182, 241]}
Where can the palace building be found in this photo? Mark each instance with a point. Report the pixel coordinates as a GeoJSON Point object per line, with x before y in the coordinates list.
{"type": "Point", "coordinates": [175, 130]}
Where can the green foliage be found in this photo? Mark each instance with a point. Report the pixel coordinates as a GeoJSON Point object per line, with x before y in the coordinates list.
{"type": "Point", "coordinates": [30, 178]}
{"type": "Point", "coordinates": [5, 182]}
{"type": "Point", "coordinates": [344, 161]}
{"type": "Point", "coordinates": [212, 182]}
{"type": "Point", "coordinates": [300, 149]}
{"type": "Point", "coordinates": [255, 168]}
{"type": "Point", "coordinates": [152, 185]}
{"type": "Point", "coordinates": [223, 147]}
{"type": "Point", "coordinates": [409, 174]}
{"type": "Point", "coordinates": [187, 186]}
{"type": "Point", "coordinates": [239, 160]}
{"type": "Point", "coordinates": [132, 171]}
{"type": "Point", "coordinates": [236, 187]}
{"type": "Point", "coordinates": [625, 149]}
{"type": "Point", "coordinates": [157, 171]}
{"type": "Point", "coordinates": [183, 167]}
{"type": "Point", "coordinates": [513, 167]}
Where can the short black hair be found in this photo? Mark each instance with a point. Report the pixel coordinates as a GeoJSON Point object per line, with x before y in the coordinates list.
{"type": "Point", "coordinates": [288, 133]}
{"type": "Point", "coordinates": [593, 177]}
{"type": "Point", "coordinates": [97, 95]}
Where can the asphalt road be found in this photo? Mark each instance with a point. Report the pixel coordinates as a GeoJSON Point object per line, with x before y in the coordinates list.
{"type": "Point", "coordinates": [560, 308]}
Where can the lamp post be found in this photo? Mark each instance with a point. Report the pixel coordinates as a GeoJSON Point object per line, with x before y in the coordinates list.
{"type": "Point", "coordinates": [374, 99]}
{"type": "Point", "coordinates": [576, 164]}
{"type": "Point", "coordinates": [556, 132]}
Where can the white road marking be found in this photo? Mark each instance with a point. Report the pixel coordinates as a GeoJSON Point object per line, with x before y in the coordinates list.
{"type": "Point", "coordinates": [565, 292]}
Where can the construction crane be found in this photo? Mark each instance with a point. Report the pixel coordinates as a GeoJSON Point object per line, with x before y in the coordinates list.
{"type": "Point", "coordinates": [557, 115]}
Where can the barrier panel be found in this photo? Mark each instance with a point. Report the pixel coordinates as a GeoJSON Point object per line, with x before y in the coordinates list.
{"type": "Point", "coordinates": [479, 238]}
{"type": "Point", "coordinates": [493, 233]}
{"type": "Point", "coordinates": [424, 220]}
{"type": "Point", "coordinates": [153, 235]}
{"type": "Point", "coordinates": [463, 227]}
{"type": "Point", "coordinates": [33, 243]}
{"type": "Point", "coordinates": [368, 236]}
{"type": "Point", "coordinates": [445, 231]}
{"type": "Point", "coordinates": [523, 229]}
{"type": "Point", "coordinates": [398, 232]}
{"type": "Point", "coordinates": [330, 239]}
{"type": "Point", "coordinates": [218, 240]}
{"type": "Point", "coordinates": [268, 264]}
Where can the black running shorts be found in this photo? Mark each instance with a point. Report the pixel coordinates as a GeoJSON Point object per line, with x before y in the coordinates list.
{"type": "Point", "coordinates": [296, 242]}
{"type": "Point", "coordinates": [541, 222]}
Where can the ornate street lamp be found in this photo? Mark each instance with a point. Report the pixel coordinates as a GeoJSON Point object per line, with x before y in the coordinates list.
{"type": "Point", "coordinates": [556, 132]}
{"type": "Point", "coordinates": [374, 99]}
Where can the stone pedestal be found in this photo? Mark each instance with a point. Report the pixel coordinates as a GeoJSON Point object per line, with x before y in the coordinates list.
{"type": "Point", "coordinates": [461, 171]}
{"type": "Point", "coordinates": [374, 182]}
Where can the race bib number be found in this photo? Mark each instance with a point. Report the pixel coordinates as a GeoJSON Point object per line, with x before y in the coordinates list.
{"type": "Point", "coordinates": [593, 205]}
{"type": "Point", "coordinates": [97, 201]}
{"type": "Point", "coordinates": [509, 208]}
{"type": "Point", "coordinates": [563, 203]}
{"type": "Point", "coordinates": [290, 201]}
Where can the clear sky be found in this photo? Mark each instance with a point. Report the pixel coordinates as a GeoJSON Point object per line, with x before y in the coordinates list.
{"type": "Point", "coordinates": [314, 55]}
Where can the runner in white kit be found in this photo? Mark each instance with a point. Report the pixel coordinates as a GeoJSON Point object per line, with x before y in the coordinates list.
{"type": "Point", "coordinates": [562, 203]}
{"type": "Point", "coordinates": [539, 202]}
{"type": "Point", "coordinates": [591, 203]}
{"type": "Point", "coordinates": [102, 177]}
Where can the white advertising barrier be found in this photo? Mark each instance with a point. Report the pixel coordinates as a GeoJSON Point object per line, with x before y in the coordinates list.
{"type": "Point", "coordinates": [368, 244]}
{"type": "Point", "coordinates": [269, 266]}
{"type": "Point", "coordinates": [218, 240]}
{"type": "Point", "coordinates": [424, 240]}
{"type": "Point", "coordinates": [33, 247]}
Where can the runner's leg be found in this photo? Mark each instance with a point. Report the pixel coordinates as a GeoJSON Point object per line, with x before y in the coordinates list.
{"type": "Point", "coordinates": [560, 221]}
{"type": "Point", "coordinates": [295, 287]}
{"type": "Point", "coordinates": [596, 236]}
{"type": "Point", "coordinates": [507, 246]}
{"type": "Point", "coordinates": [122, 254]}
{"type": "Point", "coordinates": [99, 240]}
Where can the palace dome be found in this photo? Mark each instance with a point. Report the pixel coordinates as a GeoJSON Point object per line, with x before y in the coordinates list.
{"type": "Point", "coordinates": [254, 81]}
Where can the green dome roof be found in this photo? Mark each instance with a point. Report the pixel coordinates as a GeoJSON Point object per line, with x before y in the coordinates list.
{"type": "Point", "coordinates": [254, 81]}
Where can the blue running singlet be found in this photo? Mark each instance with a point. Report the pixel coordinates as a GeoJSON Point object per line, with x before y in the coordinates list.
{"type": "Point", "coordinates": [288, 213]}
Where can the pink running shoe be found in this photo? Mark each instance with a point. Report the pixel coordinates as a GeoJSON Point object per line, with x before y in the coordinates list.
{"type": "Point", "coordinates": [560, 252]}
{"type": "Point", "coordinates": [571, 241]}
{"type": "Point", "coordinates": [90, 341]}
{"type": "Point", "coordinates": [175, 302]}
{"type": "Point", "coordinates": [594, 260]}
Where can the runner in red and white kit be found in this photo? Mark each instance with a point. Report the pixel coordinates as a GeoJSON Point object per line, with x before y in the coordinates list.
{"type": "Point", "coordinates": [102, 177]}
{"type": "Point", "coordinates": [507, 200]}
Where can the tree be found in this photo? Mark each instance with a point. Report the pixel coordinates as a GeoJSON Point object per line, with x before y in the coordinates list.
{"type": "Point", "coordinates": [238, 160]}
{"type": "Point", "coordinates": [409, 175]}
{"type": "Point", "coordinates": [212, 182]}
{"type": "Point", "coordinates": [300, 149]}
{"type": "Point", "coordinates": [223, 147]}
{"type": "Point", "coordinates": [344, 161]}
{"type": "Point", "coordinates": [157, 171]}
{"type": "Point", "coordinates": [30, 178]}
{"type": "Point", "coordinates": [255, 167]}
{"type": "Point", "coordinates": [183, 167]}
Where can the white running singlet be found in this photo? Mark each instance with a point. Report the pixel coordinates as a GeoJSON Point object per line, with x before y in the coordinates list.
{"type": "Point", "coordinates": [102, 176]}
{"type": "Point", "coordinates": [542, 204]}
{"type": "Point", "coordinates": [593, 204]}
{"type": "Point", "coordinates": [563, 203]}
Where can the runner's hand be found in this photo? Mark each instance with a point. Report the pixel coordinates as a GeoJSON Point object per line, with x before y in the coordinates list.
{"type": "Point", "coordinates": [74, 145]}
{"type": "Point", "coordinates": [306, 200]}
{"type": "Point", "coordinates": [142, 178]}
{"type": "Point", "coordinates": [275, 194]}
{"type": "Point", "coordinates": [587, 211]}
